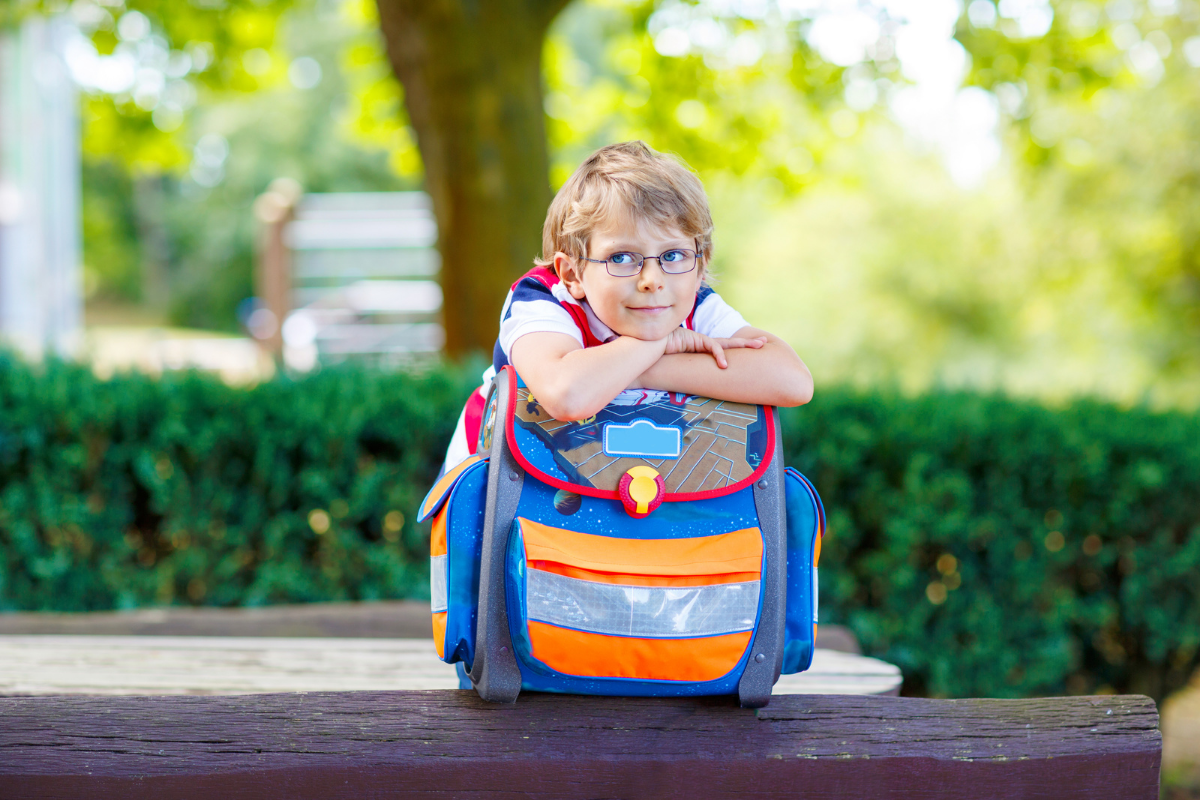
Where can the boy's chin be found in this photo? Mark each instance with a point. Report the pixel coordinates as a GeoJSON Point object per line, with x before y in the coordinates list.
{"type": "Point", "coordinates": [646, 330]}
{"type": "Point", "coordinates": [646, 335]}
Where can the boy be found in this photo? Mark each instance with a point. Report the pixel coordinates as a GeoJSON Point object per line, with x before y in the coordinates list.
{"type": "Point", "coordinates": [618, 301]}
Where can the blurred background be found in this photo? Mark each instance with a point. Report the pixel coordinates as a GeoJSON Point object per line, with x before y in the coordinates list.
{"type": "Point", "coordinates": [251, 252]}
{"type": "Point", "coordinates": [990, 195]}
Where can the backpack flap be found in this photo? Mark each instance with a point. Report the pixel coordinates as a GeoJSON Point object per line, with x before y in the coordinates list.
{"type": "Point", "coordinates": [702, 448]}
{"type": "Point", "coordinates": [441, 489]}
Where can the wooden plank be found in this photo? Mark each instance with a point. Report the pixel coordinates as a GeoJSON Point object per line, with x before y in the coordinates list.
{"type": "Point", "coordinates": [123, 665]}
{"type": "Point", "coordinates": [382, 619]}
{"type": "Point", "coordinates": [406, 619]}
{"type": "Point", "coordinates": [842, 673]}
{"type": "Point", "coordinates": [450, 744]}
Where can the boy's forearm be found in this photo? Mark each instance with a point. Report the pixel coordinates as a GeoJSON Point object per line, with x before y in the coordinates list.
{"type": "Point", "coordinates": [584, 381]}
{"type": "Point", "coordinates": [773, 375]}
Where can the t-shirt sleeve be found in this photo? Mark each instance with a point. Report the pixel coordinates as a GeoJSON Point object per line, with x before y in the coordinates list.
{"type": "Point", "coordinates": [714, 317]}
{"type": "Point", "coordinates": [532, 308]}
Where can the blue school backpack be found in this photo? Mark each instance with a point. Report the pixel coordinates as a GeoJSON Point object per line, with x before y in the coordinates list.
{"type": "Point", "coordinates": [658, 548]}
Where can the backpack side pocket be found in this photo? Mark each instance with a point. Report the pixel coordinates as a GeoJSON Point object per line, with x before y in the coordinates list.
{"type": "Point", "coordinates": [805, 528]}
{"type": "Point", "coordinates": [455, 544]}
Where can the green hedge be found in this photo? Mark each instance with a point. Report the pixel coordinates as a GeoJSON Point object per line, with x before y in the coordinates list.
{"type": "Point", "coordinates": [990, 547]}
{"type": "Point", "coordinates": [137, 491]}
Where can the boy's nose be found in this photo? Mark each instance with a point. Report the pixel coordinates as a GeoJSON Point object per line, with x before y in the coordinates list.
{"type": "Point", "coordinates": [651, 277]}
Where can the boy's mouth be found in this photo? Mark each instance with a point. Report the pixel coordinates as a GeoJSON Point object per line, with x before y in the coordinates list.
{"type": "Point", "coordinates": [649, 309]}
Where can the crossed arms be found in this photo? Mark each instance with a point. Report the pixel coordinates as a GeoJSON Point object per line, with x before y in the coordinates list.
{"type": "Point", "coordinates": [572, 382]}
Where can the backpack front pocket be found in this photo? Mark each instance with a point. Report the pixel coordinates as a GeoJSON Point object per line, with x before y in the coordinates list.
{"type": "Point", "coordinates": [647, 609]}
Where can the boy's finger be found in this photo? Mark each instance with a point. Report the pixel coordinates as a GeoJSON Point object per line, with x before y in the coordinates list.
{"type": "Point", "coordinates": [737, 342]}
{"type": "Point", "coordinates": [719, 355]}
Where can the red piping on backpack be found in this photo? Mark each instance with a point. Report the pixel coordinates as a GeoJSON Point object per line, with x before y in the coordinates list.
{"type": "Point", "coordinates": [591, 491]}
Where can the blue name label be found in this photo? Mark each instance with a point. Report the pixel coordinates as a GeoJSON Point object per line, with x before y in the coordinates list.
{"type": "Point", "coordinates": [642, 439]}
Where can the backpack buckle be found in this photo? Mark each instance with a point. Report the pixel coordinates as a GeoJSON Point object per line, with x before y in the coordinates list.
{"type": "Point", "coordinates": [641, 490]}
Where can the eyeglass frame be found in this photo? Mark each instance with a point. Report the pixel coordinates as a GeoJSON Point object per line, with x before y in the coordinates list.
{"type": "Point", "coordinates": [696, 254]}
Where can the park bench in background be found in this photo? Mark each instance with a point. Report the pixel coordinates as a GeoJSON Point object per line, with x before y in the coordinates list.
{"type": "Point", "coordinates": [347, 275]}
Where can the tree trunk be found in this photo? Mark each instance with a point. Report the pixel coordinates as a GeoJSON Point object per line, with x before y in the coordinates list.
{"type": "Point", "coordinates": [471, 71]}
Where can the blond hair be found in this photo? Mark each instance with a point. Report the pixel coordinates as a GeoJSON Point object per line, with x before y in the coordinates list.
{"type": "Point", "coordinates": [628, 179]}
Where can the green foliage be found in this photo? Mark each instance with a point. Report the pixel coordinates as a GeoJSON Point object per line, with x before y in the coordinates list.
{"type": "Point", "coordinates": [756, 104]}
{"type": "Point", "coordinates": [13, 12]}
{"type": "Point", "coordinates": [112, 259]}
{"type": "Point", "coordinates": [379, 118]}
{"type": "Point", "coordinates": [998, 548]}
{"type": "Point", "coordinates": [190, 47]}
{"type": "Point", "coordinates": [987, 546]}
{"type": "Point", "coordinates": [137, 491]}
{"type": "Point", "coordinates": [203, 222]}
{"type": "Point", "coordinates": [1103, 111]}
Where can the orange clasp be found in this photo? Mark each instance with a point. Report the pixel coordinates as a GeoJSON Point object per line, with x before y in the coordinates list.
{"type": "Point", "coordinates": [641, 491]}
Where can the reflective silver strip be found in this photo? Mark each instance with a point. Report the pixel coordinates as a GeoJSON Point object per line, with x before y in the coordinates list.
{"type": "Point", "coordinates": [815, 595]}
{"type": "Point", "coordinates": [643, 611]}
{"type": "Point", "coordinates": [439, 596]}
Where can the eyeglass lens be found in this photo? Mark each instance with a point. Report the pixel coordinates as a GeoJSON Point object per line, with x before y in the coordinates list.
{"type": "Point", "coordinates": [672, 262]}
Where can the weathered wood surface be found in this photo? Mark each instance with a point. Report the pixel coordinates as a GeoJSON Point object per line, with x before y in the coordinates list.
{"type": "Point", "coordinates": [451, 744]}
{"type": "Point", "coordinates": [201, 665]}
{"type": "Point", "coordinates": [400, 619]}
{"type": "Point", "coordinates": [381, 619]}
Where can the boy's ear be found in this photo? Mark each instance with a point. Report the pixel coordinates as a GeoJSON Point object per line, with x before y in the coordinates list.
{"type": "Point", "coordinates": [570, 273]}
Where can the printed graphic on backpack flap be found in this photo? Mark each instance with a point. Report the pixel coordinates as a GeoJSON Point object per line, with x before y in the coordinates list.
{"type": "Point", "coordinates": [456, 503]}
{"type": "Point", "coordinates": [702, 448]}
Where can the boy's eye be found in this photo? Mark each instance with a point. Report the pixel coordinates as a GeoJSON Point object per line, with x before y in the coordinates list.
{"type": "Point", "coordinates": [623, 258]}
{"type": "Point", "coordinates": [675, 256]}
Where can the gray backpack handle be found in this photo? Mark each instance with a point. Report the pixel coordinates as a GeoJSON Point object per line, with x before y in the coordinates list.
{"type": "Point", "coordinates": [494, 672]}
{"type": "Point", "coordinates": [766, 650]}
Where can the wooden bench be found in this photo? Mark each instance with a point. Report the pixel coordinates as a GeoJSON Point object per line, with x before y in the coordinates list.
{"type": "Point", "coordinates": [380, 619]}
{"type": "Point", "coordinates": [318, 647]}
{"type": "Point", "coordinates": [199, 665]}
{"type": "Point", "coordinates": [372, 743]}
{"type": "Point", "coordinates": [424, 744]}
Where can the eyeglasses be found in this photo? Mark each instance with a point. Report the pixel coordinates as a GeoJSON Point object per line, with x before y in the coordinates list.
{"type": "Point", "coordinates": [626, 265]}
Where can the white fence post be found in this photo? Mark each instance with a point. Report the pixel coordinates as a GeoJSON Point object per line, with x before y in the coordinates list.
{"type": "Point", "coordinates": [41, 303]}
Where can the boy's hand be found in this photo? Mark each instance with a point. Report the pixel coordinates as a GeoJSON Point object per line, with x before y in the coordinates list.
{"type": "Point", "coordinates": [681, 340]}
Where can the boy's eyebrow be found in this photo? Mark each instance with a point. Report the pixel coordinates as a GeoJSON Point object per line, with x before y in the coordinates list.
{"type": "Point", "coordinates": [624, 246]}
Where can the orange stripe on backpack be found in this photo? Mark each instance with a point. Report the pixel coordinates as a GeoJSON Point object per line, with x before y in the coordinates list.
{"type": "Point", "coordinates": [437, 535]}
{"type": "Point", "coordinates": [439, 633]}
{"type": "Point", "coordinates": [738, 551]}
{"type": "Point", "coordinates": [598, 655]}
